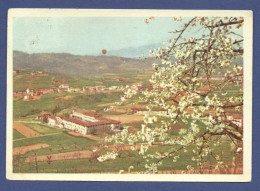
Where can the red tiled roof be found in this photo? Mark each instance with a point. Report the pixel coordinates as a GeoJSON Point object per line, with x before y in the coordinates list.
{"type": "Point", "coordinates": [238, 116]}
{"type": "Point", "coordinates": [43, 114]}
{"type": "Point", "coordinates": [52, 117]}
{"type": "Point", "coordinates": [103, 121]}
{"type": "Point", "coordinates": [88, 113]}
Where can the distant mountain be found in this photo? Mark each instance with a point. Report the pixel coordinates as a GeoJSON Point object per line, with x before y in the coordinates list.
{"type": "Point", "coordinates": [69, 64]}
{"type": "Point", "coordinates": [134, 52]}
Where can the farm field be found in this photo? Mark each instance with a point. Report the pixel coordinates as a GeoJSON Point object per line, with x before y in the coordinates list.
{"type": "Point", "coordinates": [62, 156]}
{"type": "Point", "coordinates": [84, 163]}
{"type": "Point", "coordinates": [25, 149]}
{"type": "Point", "coordinates": [125, 118]}
{"type": "Point", "coordinates": [78, 152]}
{"type": "Point", "coordinates": [63, 151]}
{"type": "Point", "coordinates": [24, 130]}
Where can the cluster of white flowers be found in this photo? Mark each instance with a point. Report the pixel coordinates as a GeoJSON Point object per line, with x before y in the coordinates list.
{"type": "Point", "coordinates": [153, 167]}
{"type": "Point", "coordinates": [177, 86]}
{"type": "Point", "coordinates": [110, 155]}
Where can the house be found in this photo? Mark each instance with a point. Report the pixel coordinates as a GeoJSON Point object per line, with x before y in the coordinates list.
{"type": "Point", "coordinates": [30, 91]}
{"type": "Point", "coordinates": [64, 86]}
{"type": "Point", "coordinates": [113, 88]}
{"type": "Point", "coordinates": [19, 92]}
{"type": "Point", "coordinates": [37, 93]}
{"type": "Point", "coordinates": [43, 116]}
{"type": "Point", "coordinates": [61, 90]}
{"type": "Point", "coordinates": [84, 121]}
{"type": "Point", "coordinates": [85, 115]}
{"type": "Point", "coordinates": [72, 124]}
{"type": "Point", "coordinates": [46, 90]}
{"type": "Point", "coordinates": [52, 121]}
{"type": "Point", "coordinates": [16, 71]}
{"type": "Point", "coordinates": [238, 120]}
{"type": "Point", "coordinates": [74, 89]}
{"type": "Point", "coordinates": [100, 88]}
{"type": "Point", "coordinates": [86, 89]}
{"type": "Point", "coordinates": [92, 89]}
{"type": "Point", "coordinates": [143, 111]}
{"type": "Point", "coordinates": [27, 97]}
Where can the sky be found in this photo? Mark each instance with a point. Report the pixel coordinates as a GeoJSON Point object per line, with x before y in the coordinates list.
{"type": "Point", "coordinates": [87, 36]}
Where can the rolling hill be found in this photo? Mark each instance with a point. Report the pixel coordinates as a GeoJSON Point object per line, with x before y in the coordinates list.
{"type": "Point", "coordinates": [69, 64]}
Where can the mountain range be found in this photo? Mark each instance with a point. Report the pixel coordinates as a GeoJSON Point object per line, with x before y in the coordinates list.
{"type": "Point", "coordinates": [135, 52]}
{"type": "Point", "coordinates": [70, 64]}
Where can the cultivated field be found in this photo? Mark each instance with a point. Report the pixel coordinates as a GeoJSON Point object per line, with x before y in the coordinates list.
{"type": "Point", "coordinates": [124, 118]}
{"type": "Point", "coordinates": [24, 130]}
{"type": "Point", "coordinates": [106, 104]}
{"type": "Point", "coordinates": [122, 147]}
{"type": "Point", "coordinates": [91, 137]}
{"type": "Point", "coordinates": [60, 151]}
{"type": "Point", "coordinates": [25, 149]}
{"type": "Point", "coordinates": [63, 156]}
{"type": "Point", "coordinates": [65, 97]}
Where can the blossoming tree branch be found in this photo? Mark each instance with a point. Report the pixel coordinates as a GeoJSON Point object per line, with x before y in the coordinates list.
{"type": "Point", "coordinates": [184, 84]}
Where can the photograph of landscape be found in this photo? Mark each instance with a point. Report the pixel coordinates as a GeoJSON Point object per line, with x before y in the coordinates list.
{"type": "Point", "coordinates": [128, 95]}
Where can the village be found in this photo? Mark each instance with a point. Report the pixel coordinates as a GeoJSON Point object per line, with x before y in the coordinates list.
{"type": "Point", "coordinates": [90, 119]}
{"type": "Point", "coordinates": [85, 115]}
{"type": "Point", "coordinates": [87, 122]}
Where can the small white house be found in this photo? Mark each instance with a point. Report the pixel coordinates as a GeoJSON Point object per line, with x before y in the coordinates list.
{"type": "Point", "coordinates": [52, 121]}
{"type": "Point", "coordinates": [64, 86]}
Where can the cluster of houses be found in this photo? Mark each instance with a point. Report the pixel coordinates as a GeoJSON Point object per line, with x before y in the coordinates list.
{"type": "Point", "coordinates": [144, 111]}
{"type": "Point", "coordinates": [17, 71]}
{"type": "Point", "coordinates": [101, 88]}
{"type": "Point", "coordinates": [81, 121]}
{"type": "Point", "coordinates": [235, 118]}
{"type": "Point", "coordinates": [32, 94]}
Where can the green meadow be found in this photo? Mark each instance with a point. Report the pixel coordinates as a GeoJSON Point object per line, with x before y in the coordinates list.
{"type": "Point", "coordinates": [60, 141]}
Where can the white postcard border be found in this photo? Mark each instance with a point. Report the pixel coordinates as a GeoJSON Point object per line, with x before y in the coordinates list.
{"type": "Point", "coordinates": [248, 54]}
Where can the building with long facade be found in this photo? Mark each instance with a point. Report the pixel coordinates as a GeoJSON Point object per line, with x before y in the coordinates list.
{"type": "Point", "coordinates": [84, 122]}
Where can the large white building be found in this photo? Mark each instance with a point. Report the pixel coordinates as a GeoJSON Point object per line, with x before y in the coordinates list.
{"type": "Point", "coordinates": [83, 121]}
